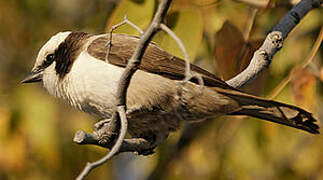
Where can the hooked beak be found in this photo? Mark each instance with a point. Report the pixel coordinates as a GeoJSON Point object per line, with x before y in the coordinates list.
{"type": "Point", "coordinates": [34, 76]}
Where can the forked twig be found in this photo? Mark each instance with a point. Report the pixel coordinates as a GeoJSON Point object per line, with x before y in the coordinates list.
{"type": "Point", "coordinates": [114, 27]}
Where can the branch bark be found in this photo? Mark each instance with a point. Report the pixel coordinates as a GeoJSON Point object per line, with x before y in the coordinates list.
{"type": "Point", "coordinates": [273, 43]}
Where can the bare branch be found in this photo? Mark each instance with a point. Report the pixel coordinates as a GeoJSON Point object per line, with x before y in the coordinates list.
{"type": "Point", "coordinates": [124, 82]}
{"type": "Point", "coordinates": [273, 43]}
{"type": "Point", "coordinates": [136, 145]}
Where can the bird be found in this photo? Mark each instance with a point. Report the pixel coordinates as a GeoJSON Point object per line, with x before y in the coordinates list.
{"type": "Point", "coordinates": [84, 70]}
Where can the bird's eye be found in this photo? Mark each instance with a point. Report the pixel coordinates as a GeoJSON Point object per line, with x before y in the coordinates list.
{"type": "Point", "coordinates": [49, 59]}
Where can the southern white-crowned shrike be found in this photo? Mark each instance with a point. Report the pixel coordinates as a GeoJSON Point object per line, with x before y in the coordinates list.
{"type": "Point", "coordinates": [75, 66]}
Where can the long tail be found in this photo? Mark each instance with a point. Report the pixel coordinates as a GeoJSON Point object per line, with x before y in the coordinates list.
{"type": "Point", "coordinates": [274, 111]}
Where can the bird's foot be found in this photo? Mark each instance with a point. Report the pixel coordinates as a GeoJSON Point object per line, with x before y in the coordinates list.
{"type": "Point", "coordinates": [100, 124]}
{"type": "Point", "coordinates": [105, 131]}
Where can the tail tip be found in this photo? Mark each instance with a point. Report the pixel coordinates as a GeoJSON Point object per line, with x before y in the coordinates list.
{"type": "Point", "coordinates": [308, 123]}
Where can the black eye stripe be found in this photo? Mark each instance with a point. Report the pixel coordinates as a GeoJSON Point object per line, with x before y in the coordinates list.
{"type": "Point", "coordinates": [68, 51]}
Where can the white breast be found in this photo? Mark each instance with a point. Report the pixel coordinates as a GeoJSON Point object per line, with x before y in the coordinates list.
{"type": "Point", "coordinates": [90, 85]}
{"type": "Point", "coordinates": [95, 82]}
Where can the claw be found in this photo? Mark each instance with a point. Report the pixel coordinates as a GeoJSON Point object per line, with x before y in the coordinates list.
{"type": "Point", "coordinates": [100, 124]}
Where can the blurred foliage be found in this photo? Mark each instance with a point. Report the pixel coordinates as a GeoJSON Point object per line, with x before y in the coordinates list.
{"type": "Point", "coordinates": [36, 129]}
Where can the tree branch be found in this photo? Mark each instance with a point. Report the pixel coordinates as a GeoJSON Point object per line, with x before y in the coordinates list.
{"type": "Point", "coordinates": [136, 145]}
{"type": "Point", "coordinates": [273, 43]}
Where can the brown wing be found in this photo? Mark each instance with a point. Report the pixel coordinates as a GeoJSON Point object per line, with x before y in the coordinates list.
{"type": "Point", "coordinates": [155, 60]}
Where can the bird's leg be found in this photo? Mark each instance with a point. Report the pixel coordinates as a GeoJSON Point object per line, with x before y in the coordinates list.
{"type": "Point", "coordinates": [105, 131]}
{"type": "Point", "coordinates": [101, 123]}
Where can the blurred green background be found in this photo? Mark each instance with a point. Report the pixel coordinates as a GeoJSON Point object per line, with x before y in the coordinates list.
{"type": "Point", "coordinates": [36, 130]}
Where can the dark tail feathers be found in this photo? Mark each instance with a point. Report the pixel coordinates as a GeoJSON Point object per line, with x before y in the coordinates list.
{"type": "Point", "coordinates": [276, 112]}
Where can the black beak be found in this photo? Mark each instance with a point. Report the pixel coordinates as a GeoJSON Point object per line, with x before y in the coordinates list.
{"type": "Point", "coordinates": [33, 76]}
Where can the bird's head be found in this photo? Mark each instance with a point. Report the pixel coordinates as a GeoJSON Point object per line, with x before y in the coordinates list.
{"type": "Point", "coordinates": [45, 62]}
{"type": "Point", "coordinates": [56, 58]}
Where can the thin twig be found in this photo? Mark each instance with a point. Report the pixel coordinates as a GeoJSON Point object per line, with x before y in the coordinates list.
{"type": "Point", "coordinates": [249, 24]}
{"type": "Point", "coordinates": [114, 27]}
{"type": "Point", "coordinates": [314, 50]}
{"type": "Point", "coordinates": [126, 21]}
{"type": "Point", "coordinates": [279, 88]}
{"type": "Point", "coordinates": [246, 34]}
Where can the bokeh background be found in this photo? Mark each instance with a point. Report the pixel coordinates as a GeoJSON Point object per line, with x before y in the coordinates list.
{"type": "Point", "coordinates": [36, 130]}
